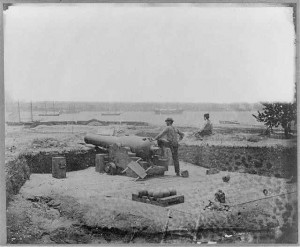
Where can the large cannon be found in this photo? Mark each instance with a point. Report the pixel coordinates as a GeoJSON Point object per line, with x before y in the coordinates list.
{"type": "Point", "coordinates": [123, 150]}
{"type": "Point", "coordinates": [141, 146]}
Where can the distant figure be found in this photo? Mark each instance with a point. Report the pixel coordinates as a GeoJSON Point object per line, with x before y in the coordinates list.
{"type": "Point", "coordinates": [168, 138]}
{"type": "Point", "coordinates": [207, 128]}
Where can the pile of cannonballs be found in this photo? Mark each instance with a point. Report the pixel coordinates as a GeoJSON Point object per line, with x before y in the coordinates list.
{"type": "Point", "coordinates": [156, 194]}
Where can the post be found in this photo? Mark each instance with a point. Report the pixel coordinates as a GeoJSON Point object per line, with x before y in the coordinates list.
{"type": "Point", "coordinates": [100, 162]}
{"type": "Point", "coordinates": [166, 227]}
{"type": "Point", "coordinates": [197, 227]}
{"type": "Point", "coordinates": [31, 111]}
{"type": "Point", "coordinates": [19, 111]}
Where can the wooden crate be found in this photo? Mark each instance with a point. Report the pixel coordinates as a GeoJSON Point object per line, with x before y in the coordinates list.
{"type": "Point", "coordinates": [163, 202]}
{"type": "Point", "coordinates": [59, 167]}
{"type": "Point", "coordinates": [100, 162]}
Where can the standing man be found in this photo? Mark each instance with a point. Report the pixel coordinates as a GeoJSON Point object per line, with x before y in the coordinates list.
{"type": "Point", "coordinates": [207, 128]}
{"type": "Point", "coordinates": [168, 138]}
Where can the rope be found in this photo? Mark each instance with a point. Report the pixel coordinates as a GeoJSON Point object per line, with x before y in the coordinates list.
{"type": "Point", "coordinates": [196, 228]}
{"type": "Point", "coordinates": [166, 227]}
{"type": "Point", "coordinates": [182, 211]}
{"type": "Point", "coordinates": [243, 202]}
{"type": "Point", "coordinates": [263, 198]}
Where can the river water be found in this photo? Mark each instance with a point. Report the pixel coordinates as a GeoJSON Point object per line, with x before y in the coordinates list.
{"type": "Point", "coordinates": [187, 118]}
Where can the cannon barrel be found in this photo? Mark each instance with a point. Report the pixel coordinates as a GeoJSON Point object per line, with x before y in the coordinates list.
{"type": "Point", "coordinates": [140, 145]}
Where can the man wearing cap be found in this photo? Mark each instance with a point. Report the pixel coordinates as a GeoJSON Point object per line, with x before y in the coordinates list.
{"type": "Point", "coordinates": [168, 138]}
{"type": "Point", "coordinates": [207, 128]}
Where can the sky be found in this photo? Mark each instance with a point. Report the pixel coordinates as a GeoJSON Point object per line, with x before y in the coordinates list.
{"type": "Point", "coordinates": [149, 53]}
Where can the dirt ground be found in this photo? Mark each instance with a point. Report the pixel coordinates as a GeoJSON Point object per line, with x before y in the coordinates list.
{"type": "Point", "coordinates": [88, 207]}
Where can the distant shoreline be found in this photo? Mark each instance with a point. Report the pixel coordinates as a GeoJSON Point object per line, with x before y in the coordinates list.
{"type": "Point", "coordinates": [128, 106]}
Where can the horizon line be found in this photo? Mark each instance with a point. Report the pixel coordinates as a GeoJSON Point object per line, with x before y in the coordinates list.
{"type": "Point", "coordinates": [144, 102]}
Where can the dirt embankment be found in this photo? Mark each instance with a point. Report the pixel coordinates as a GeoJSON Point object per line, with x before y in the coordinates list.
{"type": "Point", "coordinates": [28, 153]}
{"type": "Point", "coordinates": [279, 161]}
{"type": "Point", "coordinates": [240, 150]}
{"type": "Point", "coordinates": [31, 151]}
{"type": "Point", "coordinates": [17, 173]}
{"type": "Point", "coordinates": [20, 168]}
{"type": "Point", "coordinates": [73, 209]}
{"type": "Point", "coordinates": [99, 209]}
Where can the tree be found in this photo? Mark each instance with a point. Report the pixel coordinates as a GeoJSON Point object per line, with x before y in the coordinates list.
{"type": "Point", "coordinates": [275, 114]}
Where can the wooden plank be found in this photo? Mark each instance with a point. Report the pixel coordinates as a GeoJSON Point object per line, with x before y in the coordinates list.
{"type": "Point", "coordinates": [136, 159]}
{"type": "Point", "coordinates": [163, 202]}
{"type": "Point", "coordinates": [131, 173]}
{"type": "Point", "coordinates": [136, 167]}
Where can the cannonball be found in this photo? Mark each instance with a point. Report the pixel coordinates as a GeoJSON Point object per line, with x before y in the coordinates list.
{"type": "Point", "coordinates": [156, 194]}
{"type": "Point", "coordinates": [160, 194]}
{"type": "Point", "coordinates": [150, 192]}
{"type": "Point", "coordinates": [142, 192]}
{"type": "Point", "coordinates": [166, 193]}
{"type": "Point", "coordinates": [172, 192]}
{"type": "Point", "coordinates": [145, 192]}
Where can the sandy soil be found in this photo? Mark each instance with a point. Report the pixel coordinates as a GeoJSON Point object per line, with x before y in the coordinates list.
{"type": "Point", "coordinates": [86, 198]}
{"type": "Point", "coordinates": [82, 207]}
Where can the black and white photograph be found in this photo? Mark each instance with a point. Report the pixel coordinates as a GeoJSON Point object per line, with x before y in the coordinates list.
{"type": "Point", "coordinates": [152, 122]}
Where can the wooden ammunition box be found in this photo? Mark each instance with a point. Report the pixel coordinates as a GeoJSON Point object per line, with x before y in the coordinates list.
{"type": "Point", "coordinates": [59, 167]}
{"type": "Point", "coordinates": [100, 161]}
{"type": "Point", "coordinates": [163, 202]}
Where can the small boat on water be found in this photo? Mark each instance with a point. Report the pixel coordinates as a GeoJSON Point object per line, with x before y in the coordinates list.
{"type": "Point", "coordinates": [49, 114]}
{"type": "Point", "coordinates": [168, 111]}
{"type": "Point", "coordinates": [229, 122]}
{"type": "Point", "coordinates": [71, 111]}
{"type": "Point", "coordinates": [54, 113]}
{"type": "Point", "coordinates": [111, 113]}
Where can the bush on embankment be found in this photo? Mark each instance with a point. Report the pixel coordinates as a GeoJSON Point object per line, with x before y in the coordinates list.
{"type": "Point", "coordinates": [17, 172]}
